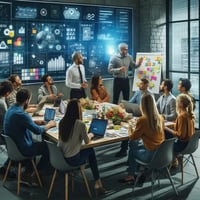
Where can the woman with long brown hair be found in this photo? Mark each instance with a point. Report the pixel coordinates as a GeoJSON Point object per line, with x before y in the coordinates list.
{"type": "Point", "coordinates": [98, 91]}
{"type": "Point", "coordinates": [146, 137]}
{"type": "Point", "coordinates": [72, 132]}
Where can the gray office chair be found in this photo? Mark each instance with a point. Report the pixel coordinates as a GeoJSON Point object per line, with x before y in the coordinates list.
{"type": "Point", "coordinates": [159, 163]}
{"type": "Point", "coordinates": [59, 163]}
{"type": "Point", "coordinates": [15, 155]}
{"type": "Point", "coordinates": [191, 147]}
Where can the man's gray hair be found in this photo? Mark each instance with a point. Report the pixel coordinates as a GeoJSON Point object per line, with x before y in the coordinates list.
{"type": "Point", "coordinates": [123, 45]}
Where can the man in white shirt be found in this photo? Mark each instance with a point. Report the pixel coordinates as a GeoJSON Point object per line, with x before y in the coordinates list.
{"type": "Point", "coordinates": [75, 77]}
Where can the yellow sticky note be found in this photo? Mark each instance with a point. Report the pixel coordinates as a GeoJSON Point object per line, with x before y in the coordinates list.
{"type": "Point", "coordinates": [9, 41]}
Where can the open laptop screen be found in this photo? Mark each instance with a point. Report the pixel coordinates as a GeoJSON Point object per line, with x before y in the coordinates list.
{"type": "Point", "coordinates": [98, 127]}
{"type": "Point", "coordinates": [49, 114]}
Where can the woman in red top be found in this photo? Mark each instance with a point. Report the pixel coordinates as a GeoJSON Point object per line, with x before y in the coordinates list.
{"type": "Point", "coordinates": [98, 92]}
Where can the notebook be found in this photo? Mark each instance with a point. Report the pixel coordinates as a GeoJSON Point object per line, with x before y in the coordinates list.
{"type": "Point", "coordinates": [49, 114]}
{"type": "Point", "coordinates": [98, 128]}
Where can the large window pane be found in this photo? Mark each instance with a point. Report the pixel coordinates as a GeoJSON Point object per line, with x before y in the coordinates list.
{"type": "Point", "coordinates": [179, 50]}
{"type": "Point", "coordinates": [179, 10]}
{"type": "Point", "coordinates": [194, 46]}
{"type": "Point", "coordinates": [175, 79]}
{"type": "Point", "coordinates": [194, 6]}
{"type": "Point", "coordinates": [195, 85]}
{"type": "Point", "coordinates": [183, 59]}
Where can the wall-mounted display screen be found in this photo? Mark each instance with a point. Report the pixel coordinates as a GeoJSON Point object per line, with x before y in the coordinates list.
{"type": "Point", "coordinates": [38, 38]}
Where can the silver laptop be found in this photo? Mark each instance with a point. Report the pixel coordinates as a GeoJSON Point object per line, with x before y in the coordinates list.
{"type": "Point", "coordinates": [40, 105]}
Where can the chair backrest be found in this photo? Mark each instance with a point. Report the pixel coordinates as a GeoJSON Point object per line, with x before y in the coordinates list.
{"type": "Point", "coordinates": [12, 149]}
{"type": "Point", "coordinates": [163, 155]}
{"type": "Point", "coordinates": [57, 158]}
{"type": "Point", "coordinates": [193, 144]}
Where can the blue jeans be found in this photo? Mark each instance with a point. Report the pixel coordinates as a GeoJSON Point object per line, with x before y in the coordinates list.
{"type": "Point", "coordinates": [82, 157]}
{"type": "Point", "coordinates": [124, 146]}
{"type": "Point", "coordinates": [137, 150]}
{"type": "Point", "coordinates": [178, 144]}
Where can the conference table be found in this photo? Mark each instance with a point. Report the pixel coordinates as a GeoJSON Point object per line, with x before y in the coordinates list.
{"type": "Point", "coordinates": [112, 134]}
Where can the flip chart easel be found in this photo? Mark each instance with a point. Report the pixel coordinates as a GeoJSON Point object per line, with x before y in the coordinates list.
{"type": "Point", "coordinates": [150, 69]}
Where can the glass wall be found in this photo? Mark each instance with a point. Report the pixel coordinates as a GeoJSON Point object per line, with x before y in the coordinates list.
{"type": "Point", "coordinates": [183, 46]}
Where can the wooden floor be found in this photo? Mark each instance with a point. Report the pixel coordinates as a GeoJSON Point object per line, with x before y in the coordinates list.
{"type": "Point", "coordinates": [111, 169]}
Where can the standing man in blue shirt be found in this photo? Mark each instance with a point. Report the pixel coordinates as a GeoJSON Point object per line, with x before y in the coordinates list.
{"type": "Point", "coordinates": [118, 66]}
{"type": "Point", "coordinates": [75, 77]}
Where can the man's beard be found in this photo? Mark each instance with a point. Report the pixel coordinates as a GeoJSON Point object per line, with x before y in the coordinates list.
{"type": "Point", "coordinates": [161, 90]}
{"type": "Point", "coordinates": [123, 54]}
{"type": "Point", "coordinates": [80, 62]}
{"type": "Point", "coordinates": [25, 106]}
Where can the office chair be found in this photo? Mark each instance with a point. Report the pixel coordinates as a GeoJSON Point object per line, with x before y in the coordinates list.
{"type": "Point", "coordinates": [15, 155]}
{"type": "Point", "coordinates": [191, 147]}
{"type": "Point", "coordinates": [59, 163]}
{"type": "Point", "coordinates": [160, 161]}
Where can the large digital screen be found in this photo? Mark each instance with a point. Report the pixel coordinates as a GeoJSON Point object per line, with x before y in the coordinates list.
{"type": "Point", "coordinates": [38, 38]}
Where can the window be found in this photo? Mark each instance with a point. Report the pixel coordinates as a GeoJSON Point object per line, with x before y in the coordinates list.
{"type": "Point", "coordinates": [183, 45]}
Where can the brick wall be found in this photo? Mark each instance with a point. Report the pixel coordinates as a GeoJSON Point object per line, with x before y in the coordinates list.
{"type": "Point", "coordinates": [152, 24]}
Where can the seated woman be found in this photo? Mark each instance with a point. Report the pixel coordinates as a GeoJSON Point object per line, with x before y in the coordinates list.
{"type": "Point", "coordinates": [72, 131]}
{"type": "Point", "coordinates": [184, 124]}
{"type": "Point", "coordinates": [98, 92]}
{"type": "Point", "coordinates": [146, 137]}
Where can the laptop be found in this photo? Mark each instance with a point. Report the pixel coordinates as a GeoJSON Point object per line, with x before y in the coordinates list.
{"type": "Point", "coordinates": [57, 101]}
{"type": "Point", "coordinates": [49, 114]}
{"type": "Point", "coordinates": [62, 107]}
{"type": "Point", "coordinates": [98, 128]}
{"type": "Point", "coordinates": [40, 105]}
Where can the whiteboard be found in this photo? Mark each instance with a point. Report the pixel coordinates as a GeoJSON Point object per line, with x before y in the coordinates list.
{"type": "Point", "coordinates": [151, 69]}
